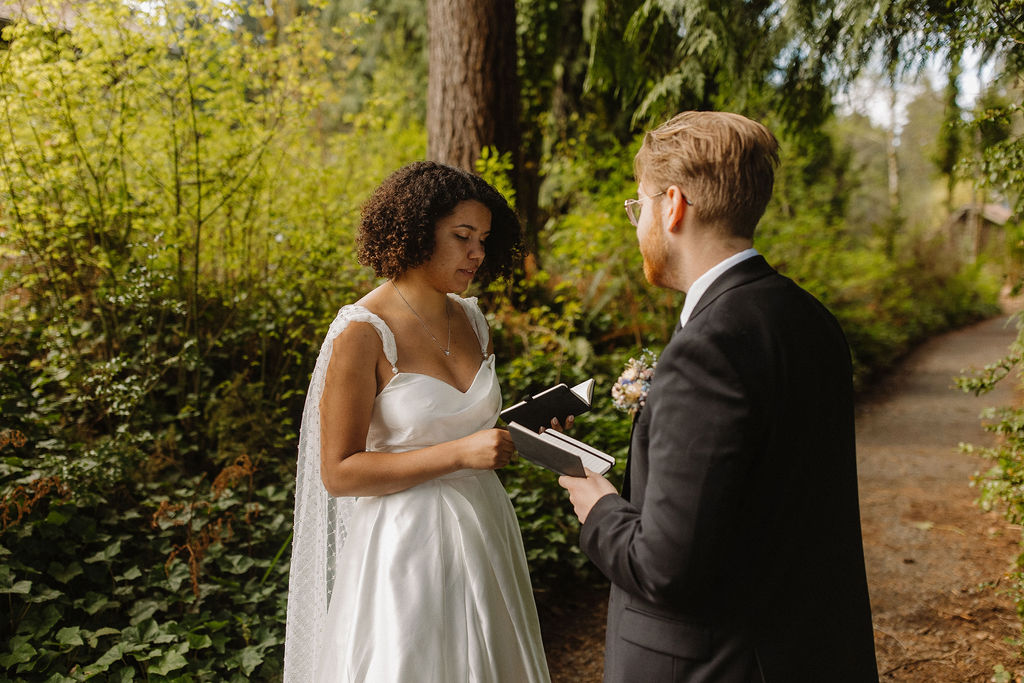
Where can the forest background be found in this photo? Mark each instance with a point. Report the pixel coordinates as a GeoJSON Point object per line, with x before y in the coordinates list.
{"type": "Point", "coordinates": [180, 185]}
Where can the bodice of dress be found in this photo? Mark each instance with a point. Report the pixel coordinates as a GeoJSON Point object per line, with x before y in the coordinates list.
{"type": "Point", "coordinates": [416, 410]}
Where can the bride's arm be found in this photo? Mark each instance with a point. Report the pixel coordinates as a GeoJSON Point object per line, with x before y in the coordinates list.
{"type": "Point", "coordinates": [345, 411]}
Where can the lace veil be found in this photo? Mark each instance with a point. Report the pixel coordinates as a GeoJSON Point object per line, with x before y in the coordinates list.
{"type": "Point", "coordinates": [319, 529]}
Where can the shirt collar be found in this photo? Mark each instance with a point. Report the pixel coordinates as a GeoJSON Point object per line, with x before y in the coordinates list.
{"type": "Point", "coordinates": [702, 283]}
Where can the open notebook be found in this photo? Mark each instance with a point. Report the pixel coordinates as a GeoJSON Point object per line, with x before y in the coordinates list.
{"type": "Point", "coordinates": [559, 452]}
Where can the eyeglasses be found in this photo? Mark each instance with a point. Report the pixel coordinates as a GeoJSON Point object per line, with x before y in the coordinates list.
{"type": "Point", "coordinates": [634, 206]}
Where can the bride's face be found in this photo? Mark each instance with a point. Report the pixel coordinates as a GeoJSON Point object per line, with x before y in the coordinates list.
{"type": "Point", "coordinates": [459, 246]}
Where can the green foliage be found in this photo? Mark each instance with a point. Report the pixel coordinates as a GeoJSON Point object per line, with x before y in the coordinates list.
{"type": "Point", "coordinates": [496, 169]}
{"type": "Point", "coordinates": [1001, 165]}
{"type": "Point", "coordinates": [186, 584]}
{"type": "Point", "coordinates": [1001, 486]}
{"type": "Point", "coordinates": [912, 30]}
{"type": "Point", "coordinates": [1001, 675]}
{"type": "Point", "coordinates": [176, 230]}
{"type": "Point", "coordinates": [665, 56]}
{"type": "Point", "coordinates": [539, 347]}
{"type": "Point", "coordinates": [885, 306]}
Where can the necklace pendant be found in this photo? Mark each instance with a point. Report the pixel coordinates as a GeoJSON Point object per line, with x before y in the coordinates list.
{"type": "Point", "coordinates": [447, 352]}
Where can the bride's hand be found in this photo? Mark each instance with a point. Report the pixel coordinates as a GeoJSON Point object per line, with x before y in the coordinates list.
{"type": "Point", "coordinates": [557, 426]}
{"type": "Point", "coordinates": [489, 449]}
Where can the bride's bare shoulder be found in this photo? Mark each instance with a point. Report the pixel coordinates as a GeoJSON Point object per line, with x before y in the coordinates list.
{"type": "Point", "coordinates": [376, 300]}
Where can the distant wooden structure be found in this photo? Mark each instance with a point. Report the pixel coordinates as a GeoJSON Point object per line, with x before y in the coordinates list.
{"type": "Point", "coordinates": [976, 229]}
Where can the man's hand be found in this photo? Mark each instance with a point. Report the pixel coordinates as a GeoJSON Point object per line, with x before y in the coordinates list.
{"type": "Point", "coordinates": [584, 493]}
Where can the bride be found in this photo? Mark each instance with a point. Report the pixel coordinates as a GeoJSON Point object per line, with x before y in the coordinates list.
{"type": "Point", "coordinates": [407, 561]}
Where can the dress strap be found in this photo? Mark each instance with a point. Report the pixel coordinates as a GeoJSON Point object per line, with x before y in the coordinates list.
{"type": "Point", "coordinates": [476, 319]}
{"type": "Point", "coordinates": [357, 313]}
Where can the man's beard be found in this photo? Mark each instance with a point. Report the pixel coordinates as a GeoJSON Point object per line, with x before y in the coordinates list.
{"type": "Point", "coordinates": [655, 253]}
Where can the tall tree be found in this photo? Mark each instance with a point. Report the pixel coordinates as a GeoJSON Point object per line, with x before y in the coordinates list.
{"type": "Point", "coordinates": [473, 84]}
{"type": "Point", "coordinates": [949, 139]}
{"type": "Point", "coordinates": [920, 147]}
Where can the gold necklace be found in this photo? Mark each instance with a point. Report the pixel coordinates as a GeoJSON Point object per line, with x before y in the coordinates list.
{"type": "Point", "coordinates": [446, 350]}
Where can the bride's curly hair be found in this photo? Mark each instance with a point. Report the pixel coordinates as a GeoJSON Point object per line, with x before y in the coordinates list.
{"type": "Point", "coordinates": [399, 220]}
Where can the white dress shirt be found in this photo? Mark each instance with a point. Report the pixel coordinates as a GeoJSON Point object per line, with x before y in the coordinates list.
{"type": "Point", "coordinates": [702, 283]}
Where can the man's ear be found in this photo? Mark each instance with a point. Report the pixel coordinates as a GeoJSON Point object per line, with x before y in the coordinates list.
{"type": "Point", "coordinates": [674, 206]}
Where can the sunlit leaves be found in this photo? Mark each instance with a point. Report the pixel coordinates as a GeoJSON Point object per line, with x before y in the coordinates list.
{"type": "Point", "coordinates": [175, 226]}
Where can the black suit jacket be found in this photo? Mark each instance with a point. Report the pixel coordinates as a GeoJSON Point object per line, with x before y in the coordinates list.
{"type": "Point", "coordinates": [738, 555]}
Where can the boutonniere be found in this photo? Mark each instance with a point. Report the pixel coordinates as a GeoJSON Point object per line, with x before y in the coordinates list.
{"type": "Point", "coordinates": [629, 393]}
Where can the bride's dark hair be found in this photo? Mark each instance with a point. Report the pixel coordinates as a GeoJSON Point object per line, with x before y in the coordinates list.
{"type": "Point", "coordinates": [399, 219]}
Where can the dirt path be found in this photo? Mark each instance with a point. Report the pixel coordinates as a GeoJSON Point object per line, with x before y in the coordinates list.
{"type": "Point", "coordinates": [936, 564]}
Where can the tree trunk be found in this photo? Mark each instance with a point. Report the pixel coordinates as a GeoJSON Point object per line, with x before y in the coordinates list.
{"type": "Point", "coordinates": [473, 88]}
{"type": "Point", "coordinates": [895, 220]}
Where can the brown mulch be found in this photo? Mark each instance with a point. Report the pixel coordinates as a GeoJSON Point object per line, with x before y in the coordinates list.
{"type": "Point", "coordinates": [572, 624]}
{"type": "Point", "coordinates": [938, 566]}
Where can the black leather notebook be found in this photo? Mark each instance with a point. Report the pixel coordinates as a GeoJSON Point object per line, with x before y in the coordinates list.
{"type": "Point", "coordinates": [558, 401]}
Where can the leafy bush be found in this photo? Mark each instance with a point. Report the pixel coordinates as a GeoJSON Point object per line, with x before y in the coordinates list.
{"type": "Point", "coordinates": [181, 578]}
{"type": "Point", "coordinates": [1001, 486]}
{"type": "Point", "coordinates": [176, 234]}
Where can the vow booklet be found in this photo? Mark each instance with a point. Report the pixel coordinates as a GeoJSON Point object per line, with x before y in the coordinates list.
{"type": "Point", "coordinates": [558, 452]}
{"type": "Point", "coordinates": [558, 401]}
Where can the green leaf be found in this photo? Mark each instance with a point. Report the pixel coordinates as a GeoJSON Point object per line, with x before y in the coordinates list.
{"type": "Point", "coordinates": [114, 654]}
{"type": "Point", "coordinates": [38, 623]}
{"type": "Point", "coordinates": [199, 641]}
{"type": "Point", "coordinates": [95, 636]}
{"type": "Point", "coordinates": [145, 609]}
{"type": "Point", "coordinates": [238, 564]}
{"type": "Point", "coordinates": [21, 651]}
{"type": "Point", "coordinates": [140, 655]}
{"type": "Point", "coordinates": [171, 661]}
{"type": "Point", "coordinates": [44, 594]}
{"type": "Point", "coordinates": [70, 635]}
{"type": "Point", "coordinates": [92, 602]}
{"type": "Point", "coordinates": [177, 574]}
{"type": "Point", "coordinates": [64, 573]}
{"type": "Point", "coordinates": [125, 675]}
{"type": "Point", "coordinates": [250, 658]}
{"type": "Point", "coordinates": [148, 630]}
{"type": "Point", "coordinates": [107, 554]}
{"type": "Point", "coordinates": [55, 518]}
{"type": "Point", "coordinates": [19, 588]}
{"type": "Point", "coordinates": [59, 678]}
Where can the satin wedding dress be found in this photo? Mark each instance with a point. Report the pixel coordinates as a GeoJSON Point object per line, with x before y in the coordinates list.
{"type": "Point", "coordinates": [426, 585]}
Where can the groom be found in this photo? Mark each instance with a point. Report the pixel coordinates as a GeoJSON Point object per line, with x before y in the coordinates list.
{"type": "Point", "coordinates": [734, 550]}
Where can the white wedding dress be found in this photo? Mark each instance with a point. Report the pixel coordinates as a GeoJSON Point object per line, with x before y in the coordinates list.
{"type": "Point", "coordinates": [429, 584]}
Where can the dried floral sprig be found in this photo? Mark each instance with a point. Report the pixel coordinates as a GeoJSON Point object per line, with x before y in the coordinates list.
{"type": "Point", "coordinates": [629, 393]}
